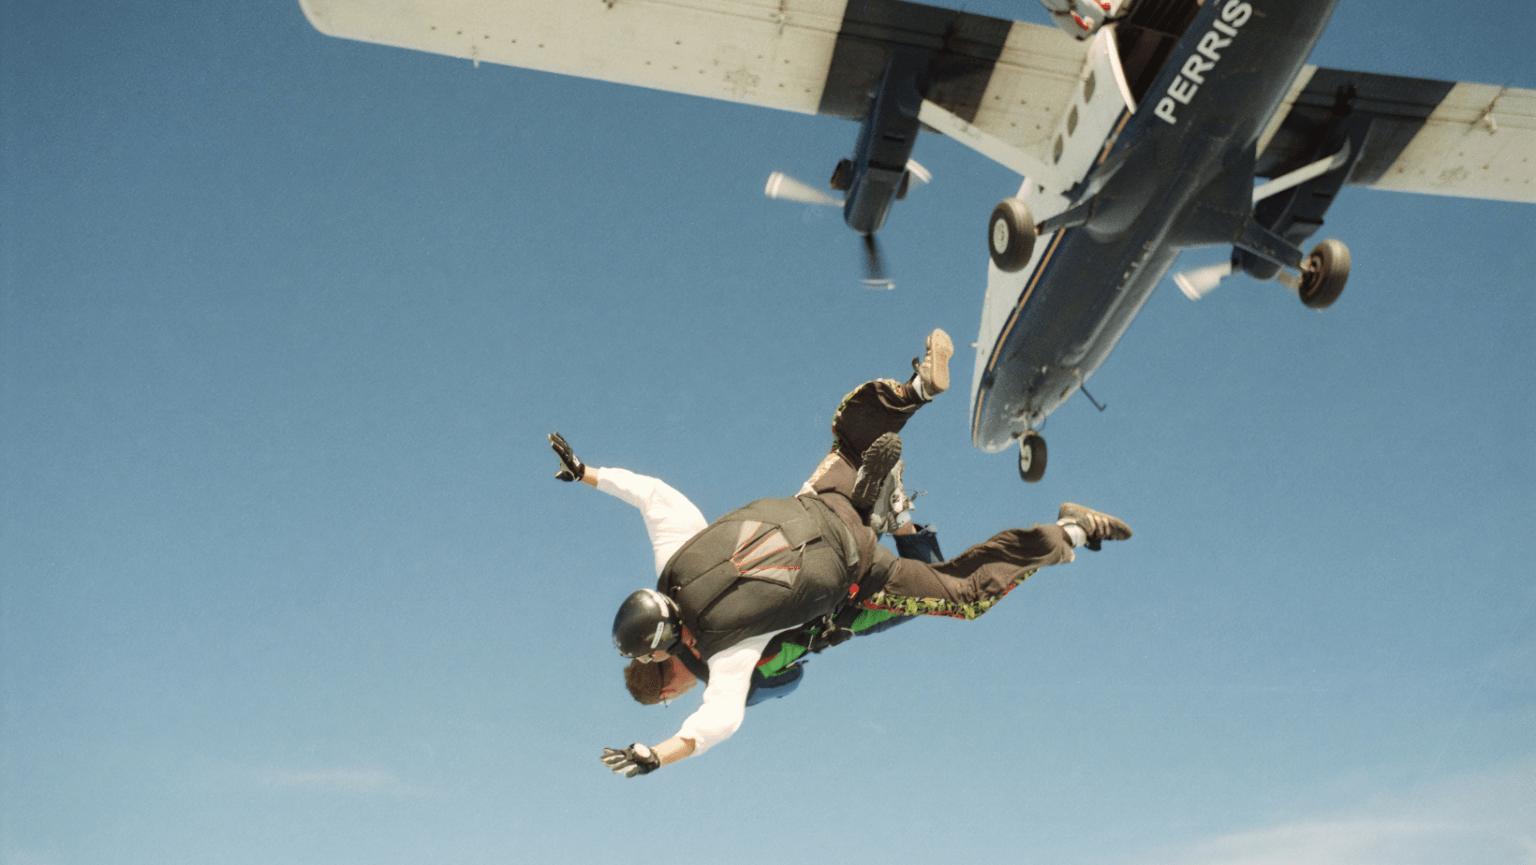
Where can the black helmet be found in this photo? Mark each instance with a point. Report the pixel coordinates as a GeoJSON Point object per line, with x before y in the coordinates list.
{"type": "Point", "coordinates": [647, 621]}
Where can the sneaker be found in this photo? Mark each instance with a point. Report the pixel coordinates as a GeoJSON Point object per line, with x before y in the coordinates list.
{"type": "Point", "coordinates": [1098, 527]}
{"type": "Point", "coordinates": [932, 372]}
{"type": "Point", "coordinates": [879, 459]}
{"type": "Point", "coordinates": [891, 504]}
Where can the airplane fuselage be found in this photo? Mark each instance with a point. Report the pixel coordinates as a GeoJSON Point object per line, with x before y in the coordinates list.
{"type": "Point", "coordinates": [1178, 173]}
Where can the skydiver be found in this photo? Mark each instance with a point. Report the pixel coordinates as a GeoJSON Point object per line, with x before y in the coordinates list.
{"type": "Point", "coordinates": [726, 589]}
{"type": "Point", "coordinates": [779, 671]}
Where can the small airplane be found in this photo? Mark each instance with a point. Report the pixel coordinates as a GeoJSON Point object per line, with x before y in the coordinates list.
{"type": "Point", "coordinates": [1145, 128]}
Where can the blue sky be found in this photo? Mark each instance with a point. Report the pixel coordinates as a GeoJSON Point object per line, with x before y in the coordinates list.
{"type": "Point", "coordinates": [284, 576]}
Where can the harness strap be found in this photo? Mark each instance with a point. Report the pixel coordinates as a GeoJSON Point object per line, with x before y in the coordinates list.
{"type": "Point", "coordinates": [692, 662]}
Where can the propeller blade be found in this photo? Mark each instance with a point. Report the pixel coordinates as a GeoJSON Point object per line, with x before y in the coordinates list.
{"type": "Point", "coordinates": [782, 186]}
{"type": "Point", "coordinates": [918, 174]}
{"type": "Point", "coordinates": [874, 265]}
{"type": "Point", "coordinates": [1201, 281]}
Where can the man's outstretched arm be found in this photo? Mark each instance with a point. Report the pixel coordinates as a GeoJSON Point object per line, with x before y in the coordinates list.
{"type": "Point", "coordinates": [720, 716]}
{"type": "Point", "coordinates": [670, 519]}
{"type": "Point", "coordinates": [637, 759]}
{"type": "Point", "coordinates": [571, 468]}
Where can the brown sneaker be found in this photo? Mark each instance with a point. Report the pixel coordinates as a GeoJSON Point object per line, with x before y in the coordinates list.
{"type": "Point", "coordinates": [933, 370]}
{"type": "Point", "coordinates": [879, 459]}
{"type": "Point", "coordinates": [1098, 527]}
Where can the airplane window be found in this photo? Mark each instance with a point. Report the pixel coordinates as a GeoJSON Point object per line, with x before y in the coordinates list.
{"type": "Point", "coordinates": [1088, 89]}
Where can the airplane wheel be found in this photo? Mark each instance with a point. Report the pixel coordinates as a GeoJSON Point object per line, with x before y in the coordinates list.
{"type": "Point", "coordinates": [1011, 235]}
{"type": "Point", "coordinates": [1031, 458]}
{"type": "Point", "coordinates": [1324, 274]}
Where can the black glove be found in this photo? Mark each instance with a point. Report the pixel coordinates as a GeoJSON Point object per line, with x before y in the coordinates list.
{"type": "Point", "coordinates": [634, 760]}
{"type": "Point", "coordinates": [571, 468]}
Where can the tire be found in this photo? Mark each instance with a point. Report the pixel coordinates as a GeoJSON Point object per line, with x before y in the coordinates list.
{"type": "Point", "coordinates": [1324, 274]}
{"type": "Point", "coordinates": [1011, 235]}
{"type": "Point", "coordinates": [1031, 458]}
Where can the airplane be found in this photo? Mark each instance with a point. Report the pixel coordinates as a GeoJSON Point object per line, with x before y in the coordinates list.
{"type": "Point", "coordinates": [1140, 128]}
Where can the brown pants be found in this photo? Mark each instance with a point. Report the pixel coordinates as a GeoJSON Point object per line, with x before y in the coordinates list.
{"type": "Point", "coordinates": [963, 587]}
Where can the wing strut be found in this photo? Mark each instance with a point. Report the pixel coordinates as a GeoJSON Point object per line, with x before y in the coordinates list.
{"type": "Point", "coordinates": [1301, 175]}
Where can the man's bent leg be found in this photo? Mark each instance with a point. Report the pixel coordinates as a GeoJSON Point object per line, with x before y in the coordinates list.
{"type": "Point", "coordinates": [876, 408]}
{"type": "Point", "coordinates": [969, 584]}
{"type": "Point", "coordinates": [870, 411]}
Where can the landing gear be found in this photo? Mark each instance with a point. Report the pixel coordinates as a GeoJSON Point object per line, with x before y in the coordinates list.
{"type": "Point", "coordinates": [1011, 235]}
{"type": "Point", "coordinates": [1323, 274]}
{"type": "Point", "coordinates": [1031, 458]}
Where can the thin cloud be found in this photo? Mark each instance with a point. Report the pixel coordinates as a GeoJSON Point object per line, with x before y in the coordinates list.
{"type": "Point", "coordinates": [1366, 842]}
{"type": "Point", "coordinates": [1485, 820]}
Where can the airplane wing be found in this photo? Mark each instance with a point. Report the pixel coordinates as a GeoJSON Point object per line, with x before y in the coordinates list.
{"type": "Point", "coordinates": [1435, 137]}
{"type": "Point", "coordinates": [1009, 79]}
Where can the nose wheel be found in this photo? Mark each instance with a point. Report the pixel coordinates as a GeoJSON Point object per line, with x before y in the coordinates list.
{"type": "Point", "coordinates": [1031, 458]}
{"type": "Point", "coordinates": [1323, 274]}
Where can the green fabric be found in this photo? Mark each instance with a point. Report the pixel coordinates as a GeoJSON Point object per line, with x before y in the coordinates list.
{"type": "Point", "coordinates": [790, 652]}
{"type": "Point", "coordinates": [870, 618]}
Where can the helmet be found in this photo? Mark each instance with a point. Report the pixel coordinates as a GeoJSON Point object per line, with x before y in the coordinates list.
{"type": "Point", "coordinates": [647, 621]}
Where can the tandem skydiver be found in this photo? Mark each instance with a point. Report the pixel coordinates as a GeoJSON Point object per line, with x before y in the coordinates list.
{"type": "Point", "coordinates": [726, 589]}
{"type": "Point", "coordinates": [780, 669]}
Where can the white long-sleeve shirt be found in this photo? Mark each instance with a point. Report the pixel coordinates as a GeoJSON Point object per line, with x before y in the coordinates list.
{"type": "Point", "coordinates": [671, 520]}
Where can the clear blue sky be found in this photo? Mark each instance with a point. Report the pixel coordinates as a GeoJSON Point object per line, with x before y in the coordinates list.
{"type": "Point", "coordinates": [284, 576]}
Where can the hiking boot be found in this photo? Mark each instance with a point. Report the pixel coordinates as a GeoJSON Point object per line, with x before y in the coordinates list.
{"type": "Point", "coordinates": [1098, 527]}
{"type": "Point", "coordinates": [879, 459]}
{"type": "Point", "coordinates": [891, 503]}
{"type": "Point", "coordinates": [932, 372]}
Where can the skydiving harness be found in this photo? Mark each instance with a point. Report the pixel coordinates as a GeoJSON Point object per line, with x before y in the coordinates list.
{"type": "Point", "coordinates": [779, 671]}
{"type": "Point", "coordinates": [766, 565]}
{"type": "Point", "coordinates": [831, 630]}
{"type": "Point", "coordinates": [835, 628]}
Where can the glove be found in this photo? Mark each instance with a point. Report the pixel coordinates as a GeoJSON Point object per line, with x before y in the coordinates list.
{"type": "Point", "coordinates": [571, 468]}
{"type": "Point", "coordinates": [634, 760]}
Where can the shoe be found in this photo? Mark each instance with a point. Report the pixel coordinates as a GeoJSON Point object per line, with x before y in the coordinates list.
{"type": "Point", "coordinates": [932, 372]}
{"type": "Point", "coordinates": [891, 503]}
{"type": "Point", "coordinates": [879, 459]}
{"type": "Point", "coordinates": [1098, 527]}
